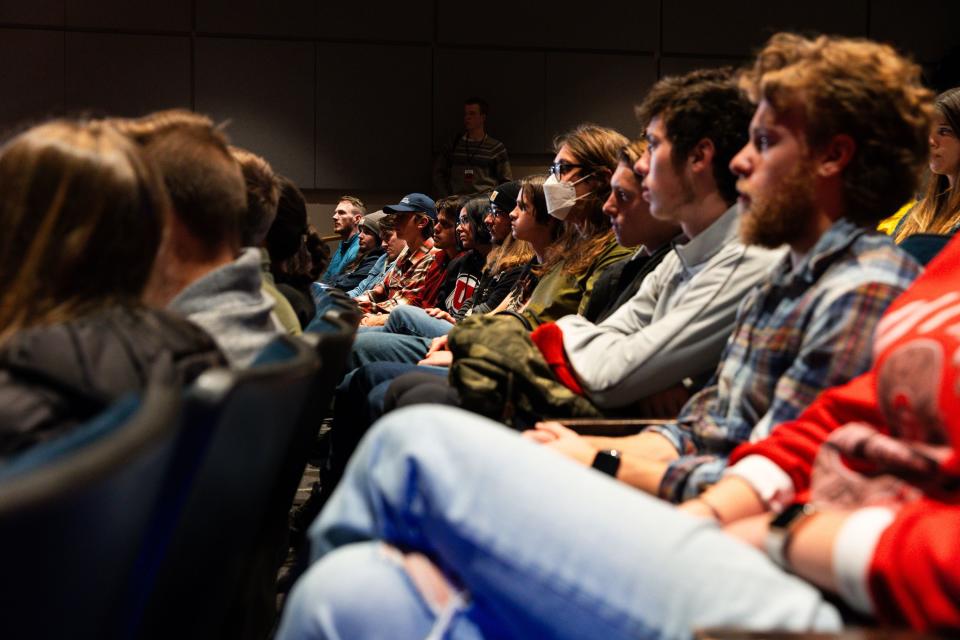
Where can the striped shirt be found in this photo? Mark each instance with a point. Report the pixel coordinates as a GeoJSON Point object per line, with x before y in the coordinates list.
{"type": "Point", "coordinates": [472, 166]}
{"type": "Point", "coordinates": [800, 331]}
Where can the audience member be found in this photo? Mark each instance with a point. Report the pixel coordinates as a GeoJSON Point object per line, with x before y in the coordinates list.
{"type": "Point", "coordinates": [415, 216]}
{"type": "Point", "coordinates": [370, 257]}
{"type": "Point", "coordinates": [346, 220]}
{"type": "Point", "coordinates": [200, 270]}
{"type": "Point", "coordinates": [938, 212]}
{"type": "Point", "coordinates": [319, 253]}
{"type": "Point", "coordinates": [291, 262]}
{"type": "Point", "coordinates": [474, 162]}
{"type": "Point", "coordinates": [392, 247]}
{"type": "Point", "coordinates": [83, 215]}
{"type": "Point", "coordinates": [876, 456]}
{"type": "Point", "coordinates": [263, 194]}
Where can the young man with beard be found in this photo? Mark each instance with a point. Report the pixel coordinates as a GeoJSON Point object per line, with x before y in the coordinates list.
{"type": "Point", "coordinates": [442, 486]}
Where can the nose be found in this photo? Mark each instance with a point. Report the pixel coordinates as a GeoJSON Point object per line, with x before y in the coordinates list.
{"type": "Point", "coordinates": [610, 206]}
{"type": "Point", "coordinates": [514, 214]}
{"type": "Point", "coordinates": [741, 163]}
{"type": "Point", "coordinates": [642, 165]}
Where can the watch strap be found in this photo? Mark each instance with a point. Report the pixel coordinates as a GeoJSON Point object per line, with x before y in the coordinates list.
{"type": "Point", "coordinates": [607, 461]}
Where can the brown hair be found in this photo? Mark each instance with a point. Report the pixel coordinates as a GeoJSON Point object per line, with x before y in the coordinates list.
{"type": "Point", "coordinates": [263, 193]}
{"type": "Point", "coordinates": [595, 147]}
{"type": "Point", "coordinates": [702, 104]}
{"type": "Point", "coordinates": [356, 202]}
{"type": "Point", "coordinates": [82, 213]}
{"type": "Point", "coordinates": [204, 181]}
{"type": "Point", "coordinates": [861, 89]}
{"type": "Point", "coordinates": [939, 209]}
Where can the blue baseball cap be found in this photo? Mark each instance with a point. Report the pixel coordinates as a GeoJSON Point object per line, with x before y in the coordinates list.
{"type": "Point", "coordinates": [414, 202]}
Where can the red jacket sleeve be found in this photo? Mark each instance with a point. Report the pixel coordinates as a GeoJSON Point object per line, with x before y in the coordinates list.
{"type": "Point", "coordinates": [913, 577]}
{"type": "Point", "coordinates": [793, 445]}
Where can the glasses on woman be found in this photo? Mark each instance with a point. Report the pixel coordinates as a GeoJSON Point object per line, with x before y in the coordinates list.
{"type": "Point", "coordinates": [465, 221]}
{"type": "Point", "coordinates": [558, 169]}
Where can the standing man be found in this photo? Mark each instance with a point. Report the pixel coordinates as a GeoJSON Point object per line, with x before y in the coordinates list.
{"type": "Point", "coordinates": [346, 222]}
{"type": "Point", "coordinates": [473, 162]}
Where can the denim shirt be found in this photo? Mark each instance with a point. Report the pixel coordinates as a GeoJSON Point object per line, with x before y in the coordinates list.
{"type": "Point", "coordinates": [804, 329]}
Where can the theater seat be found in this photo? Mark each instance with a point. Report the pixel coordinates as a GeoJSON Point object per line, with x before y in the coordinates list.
{"type": "Point", "coordinates": [72, 516]}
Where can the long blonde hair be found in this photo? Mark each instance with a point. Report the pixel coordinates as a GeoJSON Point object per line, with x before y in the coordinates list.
{"type": "Point", "coordinates": [82, 214]}
{"type": "Point", "coordinates": [939, 209]}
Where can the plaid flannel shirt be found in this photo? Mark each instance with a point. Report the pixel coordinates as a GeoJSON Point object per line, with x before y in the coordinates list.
{"type": "Point", "coordinates": [404, 282]}
{"type": "Point", "coordinates": [800, 331]}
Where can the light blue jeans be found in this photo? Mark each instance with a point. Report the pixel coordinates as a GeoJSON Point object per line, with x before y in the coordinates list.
{"type": "Point", "coordinates": [404, 338]}
{"type": "Point", "coordinates": [543, 547]}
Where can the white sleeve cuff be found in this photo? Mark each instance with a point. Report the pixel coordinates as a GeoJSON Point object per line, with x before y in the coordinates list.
{"type": "Point", "coordinates": [853, 552]}
{"type": "Point", "coordinates": [771, 483]}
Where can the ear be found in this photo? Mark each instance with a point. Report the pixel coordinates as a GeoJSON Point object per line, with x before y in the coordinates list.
{"type": "Point", "coordinates": [835, 155]}
{"type": "Point", "coordinates": [701, 156]}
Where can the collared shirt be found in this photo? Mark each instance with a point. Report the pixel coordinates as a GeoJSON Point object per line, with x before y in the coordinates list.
{"type": "Point", "coordinates": [344, 255]}
{"type": "Point", "coordinates": [801, 330]}
{"type": "Point", "coordinates": [404, 282]}
{"type": "Point", "coordinates": [675, 326]}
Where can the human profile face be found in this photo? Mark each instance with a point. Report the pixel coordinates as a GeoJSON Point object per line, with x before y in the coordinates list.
{"type": "Point", "coordinates": [445, 231]}
{"type": "Point", "coordinates": [668, 190]}
{"type": "Point", "coordinates": [776, 181]}
{"type": "Point", "coordinates": [571, 171]}
{"type": "Point", "coordinates": [473, 119]}
{"type": "Point", "coordinates": [465, 231]}
{"type": "Point", "coordinates": [368, 239]}
{"type": "Point", "coordinates": [944, 149]}
{"type": "Point", "coordinates": [346, 218]}
{"type": "Point", "coordinates": [498, 223]}
{"type": "Point", "coordinates": [523, 218]}
{"type": "Point", "coordinates": [392, 244]}
{"type": "Point", "coordinates": [629, 213]}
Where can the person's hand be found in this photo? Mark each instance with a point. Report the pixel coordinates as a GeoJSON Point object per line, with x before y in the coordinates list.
{"type": "Point", "coordinates": [440, 314]}
{"type": "Point", "coordinates": [374, 320]}
{"type": "Point", "coordinates": [563, 440]}
{"type": "Point", "coordinates": [437, 344]}
{"type": "Point", "coordinates": [438, 359]}
{"type": "Point", "coordinates": [698, 508]}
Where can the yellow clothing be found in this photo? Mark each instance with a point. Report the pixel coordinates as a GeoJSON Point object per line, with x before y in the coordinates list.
{"type": "Point", "coordinates": [888, 225]}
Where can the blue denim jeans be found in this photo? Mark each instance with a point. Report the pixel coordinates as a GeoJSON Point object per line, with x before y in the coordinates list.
{"type": "Point", "coordinates": [414, 321]}
{"type": "Point", "coordinates": [543, 547]}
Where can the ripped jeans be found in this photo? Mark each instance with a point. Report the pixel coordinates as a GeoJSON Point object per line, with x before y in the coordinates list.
{"type": "Point", "coordinates": [544, 548]}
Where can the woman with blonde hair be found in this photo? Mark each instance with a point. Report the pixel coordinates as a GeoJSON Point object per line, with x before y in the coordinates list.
{"type": "Point", "coordinates": [83, 215]}
{"type": "Point", "coordinates": [938, 212]}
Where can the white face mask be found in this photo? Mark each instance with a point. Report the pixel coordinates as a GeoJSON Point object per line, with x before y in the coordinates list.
{"type": "Point", "coordinates": [561, 196]}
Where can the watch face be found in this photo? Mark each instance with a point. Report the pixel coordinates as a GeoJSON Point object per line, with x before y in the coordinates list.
{"type": "Point", "coordinates": [788, 514]}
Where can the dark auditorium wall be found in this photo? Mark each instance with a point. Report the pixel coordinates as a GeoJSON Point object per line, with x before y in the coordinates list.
{"type": "Point", "coordinates": [355, 96]}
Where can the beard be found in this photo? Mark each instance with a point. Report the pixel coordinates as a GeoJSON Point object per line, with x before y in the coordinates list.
{"type": "Point", "coordinates": [784, 215]}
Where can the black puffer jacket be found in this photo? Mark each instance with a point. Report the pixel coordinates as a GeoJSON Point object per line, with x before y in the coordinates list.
{"type": "Point", "coordinates": [54, 378]}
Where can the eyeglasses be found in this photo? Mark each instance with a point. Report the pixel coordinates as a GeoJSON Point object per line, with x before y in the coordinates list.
{"type": "Point", "coordinates": [465, 221]}
{"type": "Point", "coordinates": [557, 169]}
{"type": "Point", "coordinates": [497, 212]}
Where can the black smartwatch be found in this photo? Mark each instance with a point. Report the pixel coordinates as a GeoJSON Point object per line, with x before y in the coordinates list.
{"type": "Point", "coordinates": [607, 461]}
{"type": "Point", "coordinates": [782, 529]}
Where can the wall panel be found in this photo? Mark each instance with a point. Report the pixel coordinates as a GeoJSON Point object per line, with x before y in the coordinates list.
{"type": "Point", "coordinates": [148, 15]}
{"type": "Point", "coordinates": [36, 12]}
{"type": "Point", "coordinates": [596, 88]}
{"type": "Point", "coordinates": [408, 21]}
{"type": "Point", "coordinates": [126, 75]}
{"type": "Point", "coordinates": [258, 17]}
{"type": "Point", "coordinates": [373, 117]}
{"type": "Point", "coordinates": [32, 89]}
{"type": "Point", "coordinates": [265, 89]}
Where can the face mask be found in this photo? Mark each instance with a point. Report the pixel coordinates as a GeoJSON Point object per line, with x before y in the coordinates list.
{"type": "Point", "coordinates": [561, 196]}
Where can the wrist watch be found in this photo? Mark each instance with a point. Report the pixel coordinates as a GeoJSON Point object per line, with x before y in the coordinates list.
{"type": "Point", "coordinates": [782, 529]}
{"type": "Point", "coordinates": [607, 461]}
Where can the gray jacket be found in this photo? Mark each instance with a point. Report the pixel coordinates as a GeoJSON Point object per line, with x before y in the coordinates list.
{"type": "Point", "coordinates": [677, 324]}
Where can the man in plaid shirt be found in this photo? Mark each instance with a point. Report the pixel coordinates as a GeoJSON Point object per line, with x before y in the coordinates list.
{"type": "Point", "coordinates": [807, 327]}
{"type": "Point", "coordinates": [414, 217]}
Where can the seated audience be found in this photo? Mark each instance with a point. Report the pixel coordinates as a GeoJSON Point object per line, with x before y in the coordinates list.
{"type": "Point", "coordinates": [674, 328]}
{"type": "Point", "coordinates": [319, 253]}
{"type": "Point", "coordinates": [83, 214]}
{"type": "Point", "coordinates": [370, 257]}
{"type": "Point", "coordinates": [430, 532]}
{"type": "Point", "coordinates": [201, 270]}
{"type": "Point", "coordinates": [392, 247]}
{"type": "Point", "coordinates": [291, 263]}
{"type": "Point", "coordinates": [414, 218]}
{"type": "Point", "coordinates": [346, 221]}
{"type": "Point", "coordinates": [938, 212]}
{"type": "Point", "coordinates": [263, 194]}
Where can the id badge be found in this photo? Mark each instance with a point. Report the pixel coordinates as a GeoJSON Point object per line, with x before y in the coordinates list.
{"type": "Point", "coordinates": [468, 176]}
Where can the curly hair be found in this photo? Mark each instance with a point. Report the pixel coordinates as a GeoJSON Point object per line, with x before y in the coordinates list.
{"type": "Point", "coordinates": [859, 88]}
{"type": "Point", "coordinates": [706, 103]}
